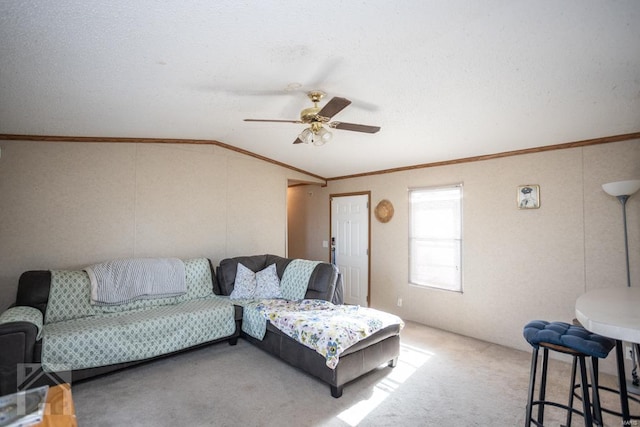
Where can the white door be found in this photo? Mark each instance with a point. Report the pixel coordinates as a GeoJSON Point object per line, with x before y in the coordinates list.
{"type": "Point", "coordinates": [350, 240]}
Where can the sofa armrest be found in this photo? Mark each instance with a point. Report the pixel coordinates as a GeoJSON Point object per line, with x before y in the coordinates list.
{"type": "Point", "coordinates": [21, 314]}
{"type": "Point", "coordinates": [19, 331]}
{"type": "Point", "coordinates": [322, 283]}
{"type": "Point", "coordinates": [338, 295]}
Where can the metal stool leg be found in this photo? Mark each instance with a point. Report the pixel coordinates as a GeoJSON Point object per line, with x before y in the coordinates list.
{"type": "Point", "coordinates": [572, 390]}
{"type": "Point", "coordinates": [543, 385]}
{"type": "Point", "coordinates": [586, 404]}
{"type": "Point", "coordinates": [532, 384]}
{"type": "Point", "coordinates": [595, 392]}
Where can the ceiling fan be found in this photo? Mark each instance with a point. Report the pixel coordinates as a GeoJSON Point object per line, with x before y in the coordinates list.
{"type": "Point", "coordinates": [317, 117]}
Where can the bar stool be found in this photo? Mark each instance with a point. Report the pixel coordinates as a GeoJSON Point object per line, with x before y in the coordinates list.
{"type": "Point", "coordinates": [578, 343]}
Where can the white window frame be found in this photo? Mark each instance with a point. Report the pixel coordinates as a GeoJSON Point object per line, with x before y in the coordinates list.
{"type": "Point", "coordinates": [446, 273]}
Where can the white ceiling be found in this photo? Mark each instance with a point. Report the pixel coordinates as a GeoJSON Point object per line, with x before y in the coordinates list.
{"type": "Point", "coordinates": [444, 79]}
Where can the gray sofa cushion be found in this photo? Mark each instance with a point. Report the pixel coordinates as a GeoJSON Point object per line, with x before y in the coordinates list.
{"type": "Point", "coordinates": [324, 283]}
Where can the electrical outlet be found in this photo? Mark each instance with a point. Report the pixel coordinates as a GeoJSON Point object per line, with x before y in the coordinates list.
{"type": "Point", "coordinates": [628, 351]}
{"type": "Point", "coordinates": [399, 302]}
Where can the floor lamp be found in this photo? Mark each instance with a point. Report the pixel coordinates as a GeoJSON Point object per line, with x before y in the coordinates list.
{"type": "Point", "coordinates": [622, 190]}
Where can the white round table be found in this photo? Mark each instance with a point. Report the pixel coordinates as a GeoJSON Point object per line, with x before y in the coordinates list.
{"type": "Point", "coordinates": [613, 313]}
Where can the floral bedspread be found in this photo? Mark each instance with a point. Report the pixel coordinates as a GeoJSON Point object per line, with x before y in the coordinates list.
{"type": "Point", "coordinates": [320, 325]}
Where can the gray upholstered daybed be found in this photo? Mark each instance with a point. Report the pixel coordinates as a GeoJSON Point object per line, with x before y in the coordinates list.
{"type": "Point", "coordinates": [324, 284]}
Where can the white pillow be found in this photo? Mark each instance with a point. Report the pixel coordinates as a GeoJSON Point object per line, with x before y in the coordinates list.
{"type": "Point", "coordinates": [245, 284]}
{"type": "Point", "coordinates": [267, 283]}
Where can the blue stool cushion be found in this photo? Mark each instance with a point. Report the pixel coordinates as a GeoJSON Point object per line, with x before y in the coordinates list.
{"type": "Point", "coordinates": [571, 336]}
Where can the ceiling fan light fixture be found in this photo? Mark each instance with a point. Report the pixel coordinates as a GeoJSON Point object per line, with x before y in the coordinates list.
{"type": "Point", "coordinates": [306, 136]}
{"type": "Point", "coordinates": [324, 136]}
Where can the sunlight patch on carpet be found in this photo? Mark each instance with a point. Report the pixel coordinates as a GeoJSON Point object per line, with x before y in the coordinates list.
{"type": "Point", "coordinates": [410, 360]}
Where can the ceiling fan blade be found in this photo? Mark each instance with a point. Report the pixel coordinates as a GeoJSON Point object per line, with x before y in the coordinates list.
{"type": "Point", "coordinates": [298, 141]}
{"type": "Point", "coordinates": [333, 107]}
{"type": "Point", "coordinates": [354, 127]}
{"type": "Point", "coordinates": [273, 121]}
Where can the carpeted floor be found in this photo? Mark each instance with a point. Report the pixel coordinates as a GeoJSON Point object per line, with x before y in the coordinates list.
{"type": "Point", "coordinates": [441, 379]}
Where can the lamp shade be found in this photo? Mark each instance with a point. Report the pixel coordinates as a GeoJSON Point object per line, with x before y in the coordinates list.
{"type": "Point", "coordinates": [622, 188]}
{"type": "Point", "coordinates": [325, 136]}
{"type": "Point", "coordinates": [306, 136]}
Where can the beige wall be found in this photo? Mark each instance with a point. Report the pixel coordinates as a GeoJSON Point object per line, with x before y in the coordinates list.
{"type": "Point", "coordinates": [66, 205]}
{"type": "Point", "coordinates": [518, 265]}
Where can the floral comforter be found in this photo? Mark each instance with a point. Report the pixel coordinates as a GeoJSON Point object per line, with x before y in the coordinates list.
{"type": "Point", "coordinates": [320, 325]}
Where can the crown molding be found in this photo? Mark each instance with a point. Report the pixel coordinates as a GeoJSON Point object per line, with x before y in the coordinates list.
{"type": "Point", "coordinates": [93, 139]}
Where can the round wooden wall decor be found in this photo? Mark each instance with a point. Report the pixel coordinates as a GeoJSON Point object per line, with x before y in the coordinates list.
{"type": "Point", "coordinates": [384, 211]}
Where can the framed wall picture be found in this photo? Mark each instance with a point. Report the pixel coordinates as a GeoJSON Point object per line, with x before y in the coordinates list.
{"type": "Point", "coordinates": [528, 196]}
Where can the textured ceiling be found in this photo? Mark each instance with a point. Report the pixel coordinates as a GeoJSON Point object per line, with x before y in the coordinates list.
{"type": "Point", "coordinates": [444, 79]}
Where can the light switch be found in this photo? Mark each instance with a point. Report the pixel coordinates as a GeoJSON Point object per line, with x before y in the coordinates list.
{"type": "Point", "coordinates": [325, 244]}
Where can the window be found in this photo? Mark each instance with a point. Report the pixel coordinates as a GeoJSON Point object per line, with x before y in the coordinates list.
{"type": "Point", "coordinates": [435, 237]}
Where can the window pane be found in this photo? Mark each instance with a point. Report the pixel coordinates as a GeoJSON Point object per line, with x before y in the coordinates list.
{"type": "Point", "coordinates": [436, 263]}
{"type": "Point", "coordinates": [435, 215]}
{"type": "Point", "coordinates": [435, 237]}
